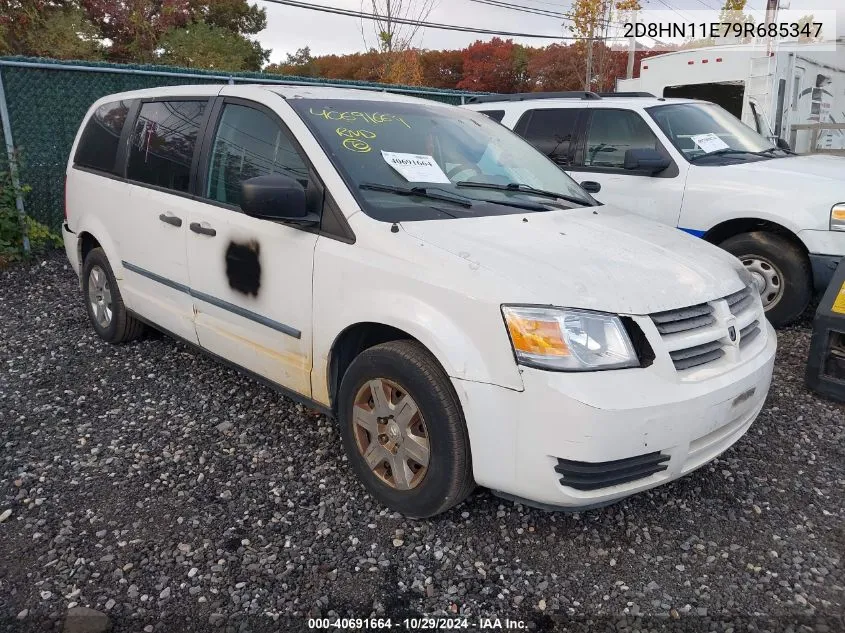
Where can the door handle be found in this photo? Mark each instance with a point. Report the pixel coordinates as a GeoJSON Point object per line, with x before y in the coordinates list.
{"type": "Point", "coordinates": [170, 219]}
{"type": "Point", "coordinates": [196, 227]}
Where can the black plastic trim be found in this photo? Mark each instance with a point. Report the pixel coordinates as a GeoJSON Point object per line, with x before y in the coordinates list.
{"type": "Point", "coordinates": [220, 303]}
{"type": "Point", "coordinates": [597, 475]}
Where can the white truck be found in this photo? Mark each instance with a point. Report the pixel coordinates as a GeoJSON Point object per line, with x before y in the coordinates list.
{"type": "Point", "coordinates": [794, 95]}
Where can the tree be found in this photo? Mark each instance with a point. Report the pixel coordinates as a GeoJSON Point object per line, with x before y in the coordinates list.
{"type": "Point", "coordinates": [135, 28]}
{"type": "Point", "coordinates": [57, 29]}
{"type": "Point", "coordinates": [233, 15]}
{"type": "Point", "coordinates": [201, 45]}
{"type": "Point", "coordinates": [496, 66]}
{"type": "Point", "coordinates": [392, 36]}
{"type": "Point", "coordinates": [442, 69]}
{"type": "Point", "coordinates": [557, 67]}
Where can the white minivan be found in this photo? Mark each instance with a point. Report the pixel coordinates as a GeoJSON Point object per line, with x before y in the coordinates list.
{"type": "Point", "coordinates": [466, 312]}
{"type": "Point", "coordinates": [693, 165]}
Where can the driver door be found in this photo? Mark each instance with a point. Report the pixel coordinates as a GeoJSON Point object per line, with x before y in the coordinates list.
{"type": "Point", "coordinates": [600, 157]}
{"type": "Point", "coordinates": [251, 278]}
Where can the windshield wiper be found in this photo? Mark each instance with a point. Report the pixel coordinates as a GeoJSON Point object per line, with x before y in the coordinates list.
{"type": "Point", "coordinates": [421, 192]}
{"type": "Point", "coordinates": [520, 188]}
{"type": "Point", "coordinates": [727, 150]}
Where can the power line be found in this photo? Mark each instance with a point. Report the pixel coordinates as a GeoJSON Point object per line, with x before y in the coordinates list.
{"type": "Point", "coordinates": [672, 9]}
{"type": "Point", "coordinates": [537, 11]}
{"type": "Point", "coordinates": [430, 25]}
{"type": "Point", "coordinates": [522, 8]}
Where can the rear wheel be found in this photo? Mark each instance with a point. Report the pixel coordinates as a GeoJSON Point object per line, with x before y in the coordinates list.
{"type": "Point", "coordinates": [103, 302]}
{"type": "Point", "coordinates": [780, 270]}
{"type": "Point", "coordinates": [403, 430]}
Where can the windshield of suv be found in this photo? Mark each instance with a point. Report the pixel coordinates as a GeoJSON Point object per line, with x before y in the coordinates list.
{"type": "Point", "coordinates": [415, 161]}
{"type": "Point", "coordinates": [706, 131]}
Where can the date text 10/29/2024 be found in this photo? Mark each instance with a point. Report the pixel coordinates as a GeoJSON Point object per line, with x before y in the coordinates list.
{"type": "Point", "coordinates": [418, 624]}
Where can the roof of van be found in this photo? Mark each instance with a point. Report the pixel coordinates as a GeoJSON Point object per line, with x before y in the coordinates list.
{"type": "Point", "coordinates": [285, 91]}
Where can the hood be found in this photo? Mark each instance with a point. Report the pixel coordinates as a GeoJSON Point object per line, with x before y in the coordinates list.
{"type": "Point", "coordinates": [806, 171]}
{"type": "Point", "coordinates": [596, 258]}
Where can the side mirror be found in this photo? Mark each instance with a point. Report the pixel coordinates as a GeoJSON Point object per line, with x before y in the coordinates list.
{"type": "Point", "coordinates": [782, 144]}
{"type": "Point", "coordinates": [276, 197]}
{"type": "Point", "coordinates": [591, 186]}
{"type": "Point", "coordinates": [645, 159]}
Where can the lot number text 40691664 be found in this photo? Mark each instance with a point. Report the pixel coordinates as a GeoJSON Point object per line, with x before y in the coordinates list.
{"type": "Point", "coordinates": [417, 624]}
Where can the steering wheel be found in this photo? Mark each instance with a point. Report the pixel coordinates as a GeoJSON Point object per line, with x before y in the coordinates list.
{"type": "Point", "coordinates": [462, 167]}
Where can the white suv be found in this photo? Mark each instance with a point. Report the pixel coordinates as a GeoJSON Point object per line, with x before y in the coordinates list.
{"type": "Point", "coordinates": [461, 307]}
{"type": "Point", "coordinates": [692, 165]}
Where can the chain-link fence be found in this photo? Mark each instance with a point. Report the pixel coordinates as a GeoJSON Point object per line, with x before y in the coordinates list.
{"type": "Point", "coordinates": [47, 99]}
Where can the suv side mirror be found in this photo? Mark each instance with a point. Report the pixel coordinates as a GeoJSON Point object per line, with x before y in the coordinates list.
{"type": "Point", "coordinates": [591, 186]}
{"type": "Point", "coordinates": [782, 144]}
{"type": "Point", "coordinates": [276, 197]}
{"type": "Point", "coordinates": [645, 159]}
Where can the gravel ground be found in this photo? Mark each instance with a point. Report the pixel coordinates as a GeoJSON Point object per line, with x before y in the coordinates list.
{"type": "Point", "coordinates": [174, 494]}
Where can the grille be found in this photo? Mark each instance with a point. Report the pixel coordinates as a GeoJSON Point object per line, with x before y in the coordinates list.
{"type": "Point", "coordinates": [684, 319]}
{"type": "Point", "coordinates": [595, 475]}
{"type": "Point", "coordinates": [692, 335]}
{"type": "Point", "coordinates": [749, 333]}
{"type": "Point", "coordinates": [739, 301]}
{"type": "Point", "coordinates": [698, 355]}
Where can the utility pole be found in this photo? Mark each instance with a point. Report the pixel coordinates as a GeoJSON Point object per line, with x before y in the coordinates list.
{"type": "Point", "coordinates": [589, 78]}
{"type": "Point", "coordinates": [632, 49]}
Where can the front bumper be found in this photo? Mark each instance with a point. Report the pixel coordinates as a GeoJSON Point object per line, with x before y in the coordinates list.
{"type": "Point", "coordinates": [826, 248]}
{"type": "Point", "coordinates": [71, 247]}
{"type": "Point", "coordinates": [518, 438]}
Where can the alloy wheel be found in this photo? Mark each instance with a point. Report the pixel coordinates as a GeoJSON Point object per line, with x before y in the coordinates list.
{"type": "Point", "coordinates": [99, 296]}
{"type": "Point", "coordinates": [391, 434]}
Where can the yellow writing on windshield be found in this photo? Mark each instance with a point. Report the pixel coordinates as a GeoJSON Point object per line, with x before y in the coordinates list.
{"type": "Point", "coordinates": [357, 145]}
{"type": "Point", "coordinates": [347, 133]}
{"type": "Point", "coordinates": [373, 118]}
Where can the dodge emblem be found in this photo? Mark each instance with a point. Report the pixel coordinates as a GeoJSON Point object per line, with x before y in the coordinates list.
{"type": "Point", "coordinates": [732, 333]}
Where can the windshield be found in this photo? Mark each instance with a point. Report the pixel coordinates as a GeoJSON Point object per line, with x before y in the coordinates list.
{"type": "Point", "coordinates": [705, 129]}
{"type": "Point", "coordinates": [415, 161]}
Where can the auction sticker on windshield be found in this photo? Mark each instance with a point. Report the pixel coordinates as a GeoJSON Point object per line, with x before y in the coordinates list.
{"type": "Point", "coordinates": [709, 142]}
{"type": "Point", "coordinates": [416, 167]}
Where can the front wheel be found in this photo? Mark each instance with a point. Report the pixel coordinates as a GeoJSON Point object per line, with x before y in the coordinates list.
{"type": "Point", "coordinates": [403, 430]}
{"type": "Point", "coordinates": [781, 273]}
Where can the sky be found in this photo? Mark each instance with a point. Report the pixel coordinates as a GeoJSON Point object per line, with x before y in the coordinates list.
{"type": "Point", "coordinates": [289, 29]}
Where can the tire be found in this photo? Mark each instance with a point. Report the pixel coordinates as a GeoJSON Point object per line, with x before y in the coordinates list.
{"type": "Point", "coordinates": [781, 267]}
{"type": "Point", "coordinates": [120, 326]}
{"type": "Point", "coordinates": [405, 370]}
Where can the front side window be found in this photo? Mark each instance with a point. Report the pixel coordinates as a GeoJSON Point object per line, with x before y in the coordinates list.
{"type": "Point", "coordinates": [705, 130]}
{"type": "Point", "coordinates": [248, 143]}
{"type": "Point", "coordinates": [98, 145]}
{"type": "Point", "coordinates": [611, 133]}
{"type": "Point", "coordinates": [163, 142]}
{"type": "Point", "coordinates": [551, 131]}
{"type": "Point", "coordinates": [418, 161]}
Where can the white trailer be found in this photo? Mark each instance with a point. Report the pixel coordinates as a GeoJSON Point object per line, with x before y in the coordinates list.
{"type": "Point", "coordinates": [796, 95]}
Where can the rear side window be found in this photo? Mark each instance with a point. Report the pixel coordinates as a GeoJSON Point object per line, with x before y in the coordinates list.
{"type": "Point", "coordinates": [162, 145]}
{"type": "Point", "coordinates": [97, 147]}
{"type": "Point", "coordinates": [496, 115]}
{"type": "Point", "coordinates": [248, 143]}
{"type": "Point", "coordinates": [550, 131]}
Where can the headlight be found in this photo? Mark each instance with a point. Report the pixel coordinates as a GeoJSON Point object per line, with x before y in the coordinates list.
{"type": "Point", "coordinates": [568, 340]}
{"type": "Point", "coordinates": [837, 217]}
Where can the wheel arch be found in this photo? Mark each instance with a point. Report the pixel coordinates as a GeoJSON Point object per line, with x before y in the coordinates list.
{"type": "Point", "coordinates": [736, 226]}
{"type": "Point", "coordinates": [353, 340]}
